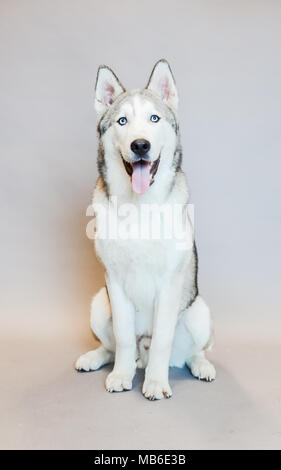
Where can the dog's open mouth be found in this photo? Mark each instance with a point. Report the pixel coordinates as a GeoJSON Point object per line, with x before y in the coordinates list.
{"type": "Point", "coordinates": [142, 174]}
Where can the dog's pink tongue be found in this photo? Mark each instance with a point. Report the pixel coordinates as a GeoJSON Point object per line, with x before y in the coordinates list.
{"type": "Point", "coordinates": [141, 177]}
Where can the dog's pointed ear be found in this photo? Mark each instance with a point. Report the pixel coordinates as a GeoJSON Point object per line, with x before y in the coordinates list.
{"type": "Point", "coordinates": [162, 83]}
{"type": "Point", "coordinates": [107, 88]}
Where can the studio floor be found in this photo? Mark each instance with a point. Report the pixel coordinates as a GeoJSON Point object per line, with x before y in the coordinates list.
{"type": "Point", "coordinates": [46, 404]}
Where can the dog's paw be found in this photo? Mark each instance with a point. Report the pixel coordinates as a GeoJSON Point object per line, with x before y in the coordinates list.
{"type": "Point", "coordinates": [202, 369]}
{"type": "Point", "coordinates": [155, 390]}
{"type": "Point", "coordinates": [92, 360]}
{"type": "Point", "coordinates": [118, 382]}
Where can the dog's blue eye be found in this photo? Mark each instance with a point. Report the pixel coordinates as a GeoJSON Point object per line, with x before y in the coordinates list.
{"type": "Point", "coordinates": [154, 118]}
{"type": "Point", "coordinates": [122, 121]}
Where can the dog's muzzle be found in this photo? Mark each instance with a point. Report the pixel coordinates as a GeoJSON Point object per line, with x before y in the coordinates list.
{"type": "Point", "coordinates": [140, 147]}
{"type": "Point", "coordinates": [142, 172]}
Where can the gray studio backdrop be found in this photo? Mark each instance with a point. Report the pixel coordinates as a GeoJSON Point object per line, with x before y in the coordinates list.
{"type": "Point", "coordinates": [225, 56]}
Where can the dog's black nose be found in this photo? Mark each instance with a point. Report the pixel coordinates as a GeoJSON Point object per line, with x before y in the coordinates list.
{"type": "Point", "coordinates": [140, 146]}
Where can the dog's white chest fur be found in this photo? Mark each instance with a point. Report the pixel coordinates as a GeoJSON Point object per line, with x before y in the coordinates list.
{"type": "Point", "coordinates": [141, 265]}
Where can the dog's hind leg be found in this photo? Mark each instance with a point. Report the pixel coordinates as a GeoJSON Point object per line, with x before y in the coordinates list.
{"type": "Point", "coordinates": [95, 359]}
{"type": "Point", "coordinates": [101, 324]}
{"type": "Point", "coordinates": [197, 321]}
{"type": "Point", "coordinates": [201, 368]}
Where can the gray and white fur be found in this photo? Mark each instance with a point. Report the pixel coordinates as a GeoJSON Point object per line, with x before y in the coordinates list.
{"type": "Point", "coordinates": [149, 314]}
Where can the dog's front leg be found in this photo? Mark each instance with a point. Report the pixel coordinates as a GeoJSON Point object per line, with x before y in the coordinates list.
{"type": "Point", "coordinates": [156, 384]}
{"type": "Point", "coordinates": [123, 315]}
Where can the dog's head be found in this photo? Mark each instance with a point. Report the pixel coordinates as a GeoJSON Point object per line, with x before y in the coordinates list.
{"type": "Point", "coordinates": [141, 125]}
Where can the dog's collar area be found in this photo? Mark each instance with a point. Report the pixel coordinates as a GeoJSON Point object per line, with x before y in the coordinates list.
{"type": "Point", "coordinates": [153, 169]}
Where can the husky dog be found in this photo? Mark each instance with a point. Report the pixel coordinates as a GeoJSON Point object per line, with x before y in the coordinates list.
{"type": "Point", "coordinates": [149, 314]}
